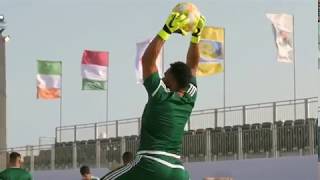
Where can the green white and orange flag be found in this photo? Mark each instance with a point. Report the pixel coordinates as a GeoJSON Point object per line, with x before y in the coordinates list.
{"type": "Point", "coordinates": [49, 79]}
{"type": "Point", "coordinates": [211, 49]}
{"type": "Point", "coordinates": [94, 69]}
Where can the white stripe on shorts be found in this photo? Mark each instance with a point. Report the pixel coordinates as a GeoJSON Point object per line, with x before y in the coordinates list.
{"type": "Point", "coordinates": [163, 162]}
{"type": "Point", "coordinates": [122, 170]}
{"type": "Point", "coordinates": [144, 152]}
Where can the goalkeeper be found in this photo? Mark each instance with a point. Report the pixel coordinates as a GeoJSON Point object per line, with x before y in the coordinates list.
{"type": "Point", "coordinates": [170, 103]}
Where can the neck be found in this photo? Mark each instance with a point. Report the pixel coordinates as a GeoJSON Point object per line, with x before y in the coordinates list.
{"type": "Point", "coordinates": [180, 93]}
{"type": "Point", "coordinates": [14, 165]}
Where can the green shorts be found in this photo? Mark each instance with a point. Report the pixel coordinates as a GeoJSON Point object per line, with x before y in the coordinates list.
{"type": "Point", "coordinates": [150, 167]}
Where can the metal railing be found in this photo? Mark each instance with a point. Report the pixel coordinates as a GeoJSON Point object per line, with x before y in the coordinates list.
{"type": "Point", "coordinates": [200, 119]}
{"type": "Point", "coordinates": [237, 132]}
{"type": "Point", "coordinates": [266, 140]}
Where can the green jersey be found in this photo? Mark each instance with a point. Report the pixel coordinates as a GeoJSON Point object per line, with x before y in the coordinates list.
{"type": "Point", "coordinates": [165, 116]}
{"type": "Point", "coordinates": [15, 174]}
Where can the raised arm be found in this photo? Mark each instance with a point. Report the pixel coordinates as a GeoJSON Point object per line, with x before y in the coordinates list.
{"type": "Point", "coordinates": [193, 55]}
{"type": "Point", "coordinates": [150, 56]}
{"type": "Point", "coordinates": [173, 24]}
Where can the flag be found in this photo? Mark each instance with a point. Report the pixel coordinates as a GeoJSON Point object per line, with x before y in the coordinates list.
{"type": "Point", "coordinates": [283, 31]}
{"type": "Point", "coordinates": [49, 79]}
{"type": "Point", "coordinates": [211, 49]}
{"type": "Point", "coordinates": [141, 47]}
{"type": "Point", "coordinates": [94, 69]}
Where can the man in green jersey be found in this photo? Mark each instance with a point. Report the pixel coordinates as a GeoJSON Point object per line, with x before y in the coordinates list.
{"type": "Point", "coordinates": [170, 103]}
{"type": "Point", "coordinates": [14, 172]}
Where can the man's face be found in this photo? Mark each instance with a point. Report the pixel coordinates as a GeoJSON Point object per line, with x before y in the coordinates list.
{"type": "Point", "coordinates": [86, 177]}
{"type": "Point", "coordinates": [170, 81]}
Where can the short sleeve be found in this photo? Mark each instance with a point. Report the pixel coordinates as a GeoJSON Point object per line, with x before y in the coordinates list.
{"type": "Point", "coordinates": [192, 89]}
{"type": "Point", "coordinates": [155, 86]}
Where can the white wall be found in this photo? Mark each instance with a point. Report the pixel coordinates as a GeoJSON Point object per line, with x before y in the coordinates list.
{"type": "Point", "coordinates": [286, 168]}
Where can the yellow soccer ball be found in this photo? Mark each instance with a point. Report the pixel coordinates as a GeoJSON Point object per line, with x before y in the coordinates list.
{"type": "Point", "coordinates": [191, 11]}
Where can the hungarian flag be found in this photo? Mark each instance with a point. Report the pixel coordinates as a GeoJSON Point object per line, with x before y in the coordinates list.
{"type": "Point", "coordinates": [94, 69]}
{"type": "Point", "coordinates": [49, 79]}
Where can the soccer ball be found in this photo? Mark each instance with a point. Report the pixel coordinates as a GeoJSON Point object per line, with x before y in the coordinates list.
{"type": "Point", "coordinates": [191, 11]}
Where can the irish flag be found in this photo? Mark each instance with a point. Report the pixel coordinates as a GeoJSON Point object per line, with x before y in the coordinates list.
{"type": "Point", "coordinates": [94, 70]}
{"type": "Point", "coordinates": [49, 79]}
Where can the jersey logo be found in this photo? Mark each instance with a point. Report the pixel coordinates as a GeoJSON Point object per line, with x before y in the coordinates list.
{"type": "Point", "coordinates": [192, 89]}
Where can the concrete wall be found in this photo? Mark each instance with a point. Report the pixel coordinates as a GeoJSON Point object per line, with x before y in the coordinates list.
{"type": "Point", "coordinates": [3, 130]}
{"type": "Point", "coordinates": [287, 168]}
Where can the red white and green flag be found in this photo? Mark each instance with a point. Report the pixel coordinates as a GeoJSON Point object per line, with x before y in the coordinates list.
{"type": "Point", "coordinates": [94, 69]}
{"type": "Point", "coordinates": [49, 79]}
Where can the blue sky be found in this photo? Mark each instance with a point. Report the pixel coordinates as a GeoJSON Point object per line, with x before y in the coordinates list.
{"type": "Point", "coordinates": [61, 30]}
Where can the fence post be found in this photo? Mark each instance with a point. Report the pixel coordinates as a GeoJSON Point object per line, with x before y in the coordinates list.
{"type": "Point", "coordinates": [53, 157]}
{"type": "Point", "coordinates": [95, 131]}
{"type": "Point", "coordinates": [57, 134]}
{"type": "Point", "coordinates": [215, 118]}
{"type": "Point", "coordinates": [275, 140]}
{"type": "Point", "coordinates": [139, 125]}
{"type": "Point", "coordinates": [75, 133]}
{"type": "Point", "coordinates": [208, 145]}
{"type": "Point", "coordinates": [107, 131]}
{"type": "Point", "coordinates": [244, 115]}
{"type": "Point", "coordinates": [240, 147]}
{"type": "Point", "coordinates": [74, 155]}
{"type": "Point", "coordinates": [31, 159]}
{"type": "Point", "coordinates": [306, 108]}
{"type": "Point", "coordinates": [122, 148]}
{"type": "Point", "coordinates": [117, 128]}
{"type": "Point", "coordinates": [274, 131]}
{"type": "Point", "coordinates": [311, 135]}
{"type": "Point", "coordinates": [98, 154]}
{"type": "Point", "coordinates": [274, 109]}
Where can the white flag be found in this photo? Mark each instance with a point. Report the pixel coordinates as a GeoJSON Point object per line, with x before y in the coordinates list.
{"type": "Point", "coordinates": [283, 30]}
{"type": "Point", "coordinates": [141, 47]}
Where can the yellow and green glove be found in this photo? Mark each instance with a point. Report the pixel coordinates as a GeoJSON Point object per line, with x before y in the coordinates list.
{"type": "Point", "coordinates": [196, 34]}
{"type": "Point", "coordinates": [173, 24]}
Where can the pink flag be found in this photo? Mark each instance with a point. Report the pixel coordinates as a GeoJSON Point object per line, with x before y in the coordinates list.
{"type": "Point", "coordinates": [141, 47]}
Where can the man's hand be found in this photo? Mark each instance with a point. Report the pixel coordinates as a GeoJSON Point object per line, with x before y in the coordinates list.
{"type": "Point", "coordinates": [174, 23]}
{"type": "Point", "coordinates": [198, 30]}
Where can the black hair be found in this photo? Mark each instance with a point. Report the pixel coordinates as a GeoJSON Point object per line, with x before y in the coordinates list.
{"type": "Point", "coordinates": [84, 170]}
{"type": "Point", "coordinates": [14, 156]}
{"type": "Point", "coordinates": [182, 73]}
{"type": "Point", "coordinates": [127, 157]}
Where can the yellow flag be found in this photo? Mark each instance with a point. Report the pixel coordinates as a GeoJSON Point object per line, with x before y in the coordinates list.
{"type": "Point", "coordinates": [211, 49]}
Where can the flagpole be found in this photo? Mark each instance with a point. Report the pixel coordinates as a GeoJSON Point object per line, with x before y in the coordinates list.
{"type": "Point", "coordinates": [60, 103]}
{"type": "Point", "coordinates": [107, 102]}
{"type": "Point", "coordinates": [224, 78]}
{"type": "Point", "coordinates": [294, 72]}
{"type": "Point", "coordinates": [162, 60]}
